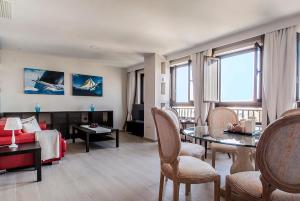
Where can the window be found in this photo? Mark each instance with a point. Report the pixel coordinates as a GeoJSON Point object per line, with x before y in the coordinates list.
{"type": "Point", "coordinates": [182, 85]}
{"type": "Point", "coordinates": [241, 77]}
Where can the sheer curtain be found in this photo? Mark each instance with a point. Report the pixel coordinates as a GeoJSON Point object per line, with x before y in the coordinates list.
{"type": "Point", "coordinates": [279, 73]}
{"type": "Point", "coordinates": [131, 82]}
{"type": "Point", "coordinates": [201, 108]}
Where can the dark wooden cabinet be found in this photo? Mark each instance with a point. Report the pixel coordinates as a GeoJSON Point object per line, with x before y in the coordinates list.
{"type": "Point", "coordinates": [136, 127]}
{"type": "Point", "coordinates": [59, 121]}
{"type": "Point", "coordinates": [104, 118]}
{"type": "Point", "coordinates": [64, 120]}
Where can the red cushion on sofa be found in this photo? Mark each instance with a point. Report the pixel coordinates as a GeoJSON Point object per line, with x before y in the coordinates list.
{"type": "Point", "coordinates": [21, 138]}
{"type": "Point", "coordinates": [43, 125]}
{"type": "Point", "coordinates": [4, 132]}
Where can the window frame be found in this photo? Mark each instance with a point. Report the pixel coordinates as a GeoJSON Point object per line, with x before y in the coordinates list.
{"type": "Point", "coordinates": [257, 102]}
{"type": "Point", "coordinates": [173, 76]}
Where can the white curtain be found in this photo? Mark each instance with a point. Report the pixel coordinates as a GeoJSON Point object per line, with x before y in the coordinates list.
{"type": "Point", "coordinates": [130, 93]}
{"type": "Point", "coordinates": [201, 108]}
{"type": "Point", "coordinates": [279, 73]}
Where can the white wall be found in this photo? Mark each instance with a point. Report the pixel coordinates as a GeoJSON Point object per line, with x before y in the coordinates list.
{"type": "Point", "coordinates": [13, 99]}
{"type": "Point", "coordinates": [149, 102]}
{"type": "Point", "coordinates": [238, 36]}
{"type": "Point", "coordinates": [153, 97]}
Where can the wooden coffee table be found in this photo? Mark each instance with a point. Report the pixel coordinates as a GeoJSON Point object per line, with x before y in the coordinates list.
{"type": "Point", "coordinates": [32, 147]}
{"type": "Point", "coordinates": [94, 134]}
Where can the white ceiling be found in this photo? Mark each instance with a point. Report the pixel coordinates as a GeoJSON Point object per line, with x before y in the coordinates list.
{"type": "Point", "coordinates": [118, 32]}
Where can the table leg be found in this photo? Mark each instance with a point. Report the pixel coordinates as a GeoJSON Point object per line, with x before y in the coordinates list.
{"type": "Point", "coordinates": [38, 164]}
{"type": "Point", "coordinates": [117, 138]}
{"type": "Point", "coordinates": [73, 134]}
{"type": "Point", "coordinates": [205, 145]}
{"type": "Point", "coordinates": [87, 142]}
{"type": "Point", "coordinates": [242, 161]}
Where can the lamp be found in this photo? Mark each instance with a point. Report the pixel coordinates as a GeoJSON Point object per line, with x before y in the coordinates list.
{"type": "Point", "coordinates": [13, 124]}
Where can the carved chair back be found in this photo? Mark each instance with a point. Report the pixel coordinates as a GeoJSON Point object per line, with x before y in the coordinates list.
{"type": "Point", "coordinates": [174, 116]}
{"type": "Point", "coordinates": [278, 155]}
{"type": "Point", "coordinates": [220, 117]}
{"type": "Point", "coordinates": [291, 112]}
{"type": "Point", "coordinates": [168, 136]}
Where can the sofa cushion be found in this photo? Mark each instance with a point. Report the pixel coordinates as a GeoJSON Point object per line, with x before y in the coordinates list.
{"type": "Point", "coordinates": [21, 138]}
{"type": "Point", "coordinates": [3, 132]}
{"type": "Point", "coordinates": [30, 125]}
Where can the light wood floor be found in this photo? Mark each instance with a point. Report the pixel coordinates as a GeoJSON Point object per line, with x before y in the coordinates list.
{"type": "Point", "coordinates": [129, 173]}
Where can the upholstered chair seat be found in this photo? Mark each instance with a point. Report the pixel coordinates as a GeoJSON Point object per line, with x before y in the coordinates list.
{"type": "Point", "coordinates": [187, 148]}
{"type": "Point", "coordinates": [190, 149]}
{"type": "Point", "coordinates": [190, 168]}
{"type": "Point", "coordinates": [248, 185]}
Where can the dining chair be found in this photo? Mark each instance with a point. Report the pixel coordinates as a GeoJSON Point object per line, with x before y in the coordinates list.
{"type": "Point", "coordinates": [291, 112]}
{"type": "Point", "coordinates": [180, 169]}
{"type": "Point", "coordinates": [277, 157]}
{"type": "Point", "coordinates": [219, 118]}
{"type": "Point", "coordinates": [187, 149]}
{"type": "Point", "coordinates": [286, 113]}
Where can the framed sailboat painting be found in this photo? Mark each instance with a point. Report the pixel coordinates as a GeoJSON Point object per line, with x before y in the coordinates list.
{"type": "Point", "coordinates": [87, 85]}
{"type": "Point", "coordinates": [37, 81]}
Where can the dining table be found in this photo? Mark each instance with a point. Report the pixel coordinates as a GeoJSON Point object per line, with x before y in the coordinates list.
{"type": "Point", "coordinates": [185, 122]}
{"type": "Point", "coordinates": [245, 144]}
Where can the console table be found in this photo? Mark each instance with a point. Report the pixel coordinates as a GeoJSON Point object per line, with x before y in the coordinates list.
{"type": "Point", "coordinates": [64, 120]}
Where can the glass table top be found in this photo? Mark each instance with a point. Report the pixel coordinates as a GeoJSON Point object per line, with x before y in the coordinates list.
{"type": "Point", "coordinates": [223, 137]}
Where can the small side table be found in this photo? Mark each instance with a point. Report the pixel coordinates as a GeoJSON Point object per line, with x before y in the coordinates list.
{"type": "Point", "coordinates": [93, 134]}
{"type": "Point", "coordinates": [32, 147]}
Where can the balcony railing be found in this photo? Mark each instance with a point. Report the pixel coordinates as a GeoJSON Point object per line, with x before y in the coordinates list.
{"type": "Point", "coordinates": [246, 112]}
{"type": "Point", "coordinates": [185, 112]}
{"type": "Point", "coordinates": [188, 112]}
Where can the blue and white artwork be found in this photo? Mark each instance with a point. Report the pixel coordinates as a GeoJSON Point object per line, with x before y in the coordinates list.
{"type": "Point", "coordinates": [38, 81]}
{"type": "Point", "coordinates": [87, 85]}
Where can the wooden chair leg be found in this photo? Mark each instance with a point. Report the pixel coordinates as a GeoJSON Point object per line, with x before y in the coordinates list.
{"type": "Point", "coordinates": [233, 157]}
{"type": "Point", "coordinates": [205, 145]}
{"type": "Point", "coordinates": [187, 189]}
{"type": "Point", "coordinates": [176, 186]}
{"type": "Point", "coordinates": [253, 157]}
{"type": "Point", "coordinates": [213, 158]}
{"type": "Point", "coordinates": [161, 187]}
{"type": "Point", "coordinates": [255, 165]}
{"type": "Point", "coordinates": [227, 189]}
{"type": "Point", "coordinates": [217, 188]}
{"type": "Point", "coordinates": [267, 190]}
